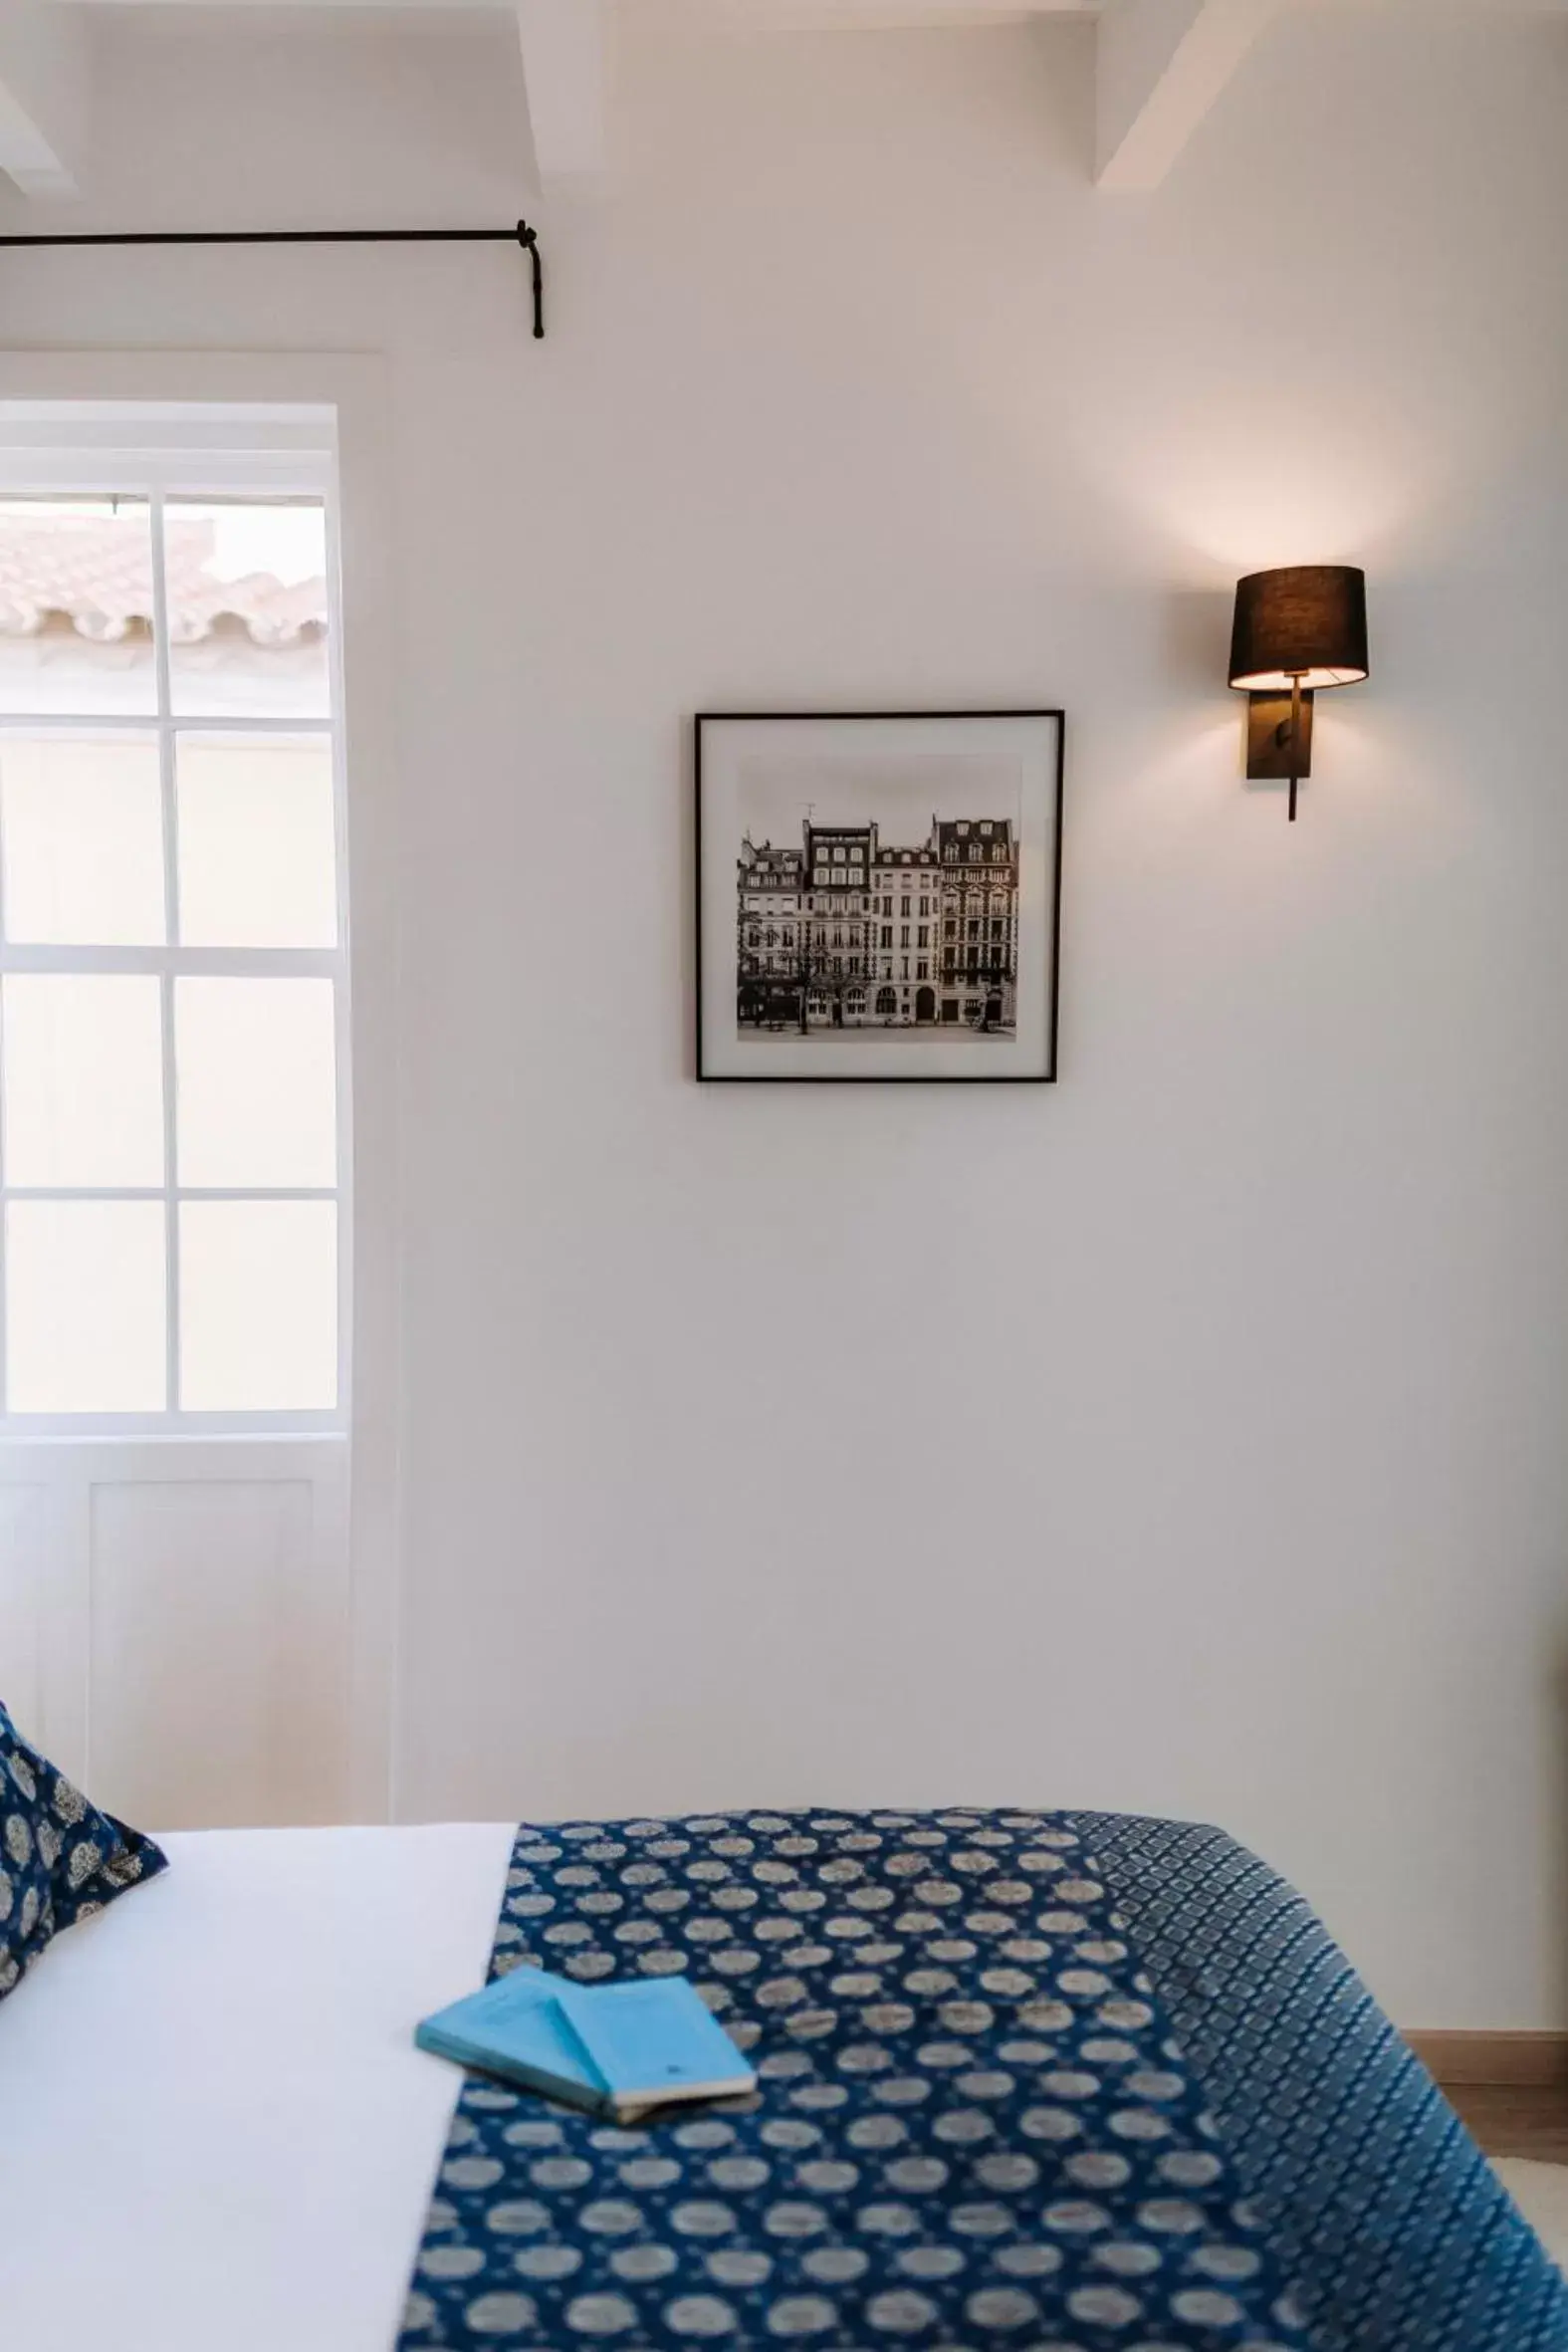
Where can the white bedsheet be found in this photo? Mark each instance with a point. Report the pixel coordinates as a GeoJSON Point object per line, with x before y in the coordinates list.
{"type": "Point", "coordinates": [215, 2132]}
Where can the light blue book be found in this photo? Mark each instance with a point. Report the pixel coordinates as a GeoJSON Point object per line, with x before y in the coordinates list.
{"type": "Point", "coordinates": [616, 2049]}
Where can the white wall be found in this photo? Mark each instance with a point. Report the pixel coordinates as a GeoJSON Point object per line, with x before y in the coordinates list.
{"type": "Point", "coordinates": [1235, 1485]}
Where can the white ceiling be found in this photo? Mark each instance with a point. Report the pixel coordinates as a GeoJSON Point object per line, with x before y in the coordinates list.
{"type": "Point", "coordinates": [1161, 64]}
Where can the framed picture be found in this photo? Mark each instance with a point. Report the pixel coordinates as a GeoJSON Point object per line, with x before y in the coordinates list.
{"type": "Point", "coordinates": [878, 895]}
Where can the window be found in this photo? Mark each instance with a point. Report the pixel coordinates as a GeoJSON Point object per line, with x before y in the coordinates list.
{"type": "Point", "coordinates": [173, 1083]}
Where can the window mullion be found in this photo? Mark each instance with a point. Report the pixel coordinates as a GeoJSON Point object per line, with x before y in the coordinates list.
{"type": "Point", "coordinates": [172, 926]}
{"type": "Point", "coordinates": [240, 963]}
{"type": "Point", "coordinates": [78, 723]}
{"type": "Point", "coordinates": [137, 723]}
{"type": "Point", "coordinates": [342, 979]}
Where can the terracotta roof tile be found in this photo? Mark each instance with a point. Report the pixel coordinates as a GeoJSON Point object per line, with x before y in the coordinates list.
{"type": "Point", "coordinates": [96, 576]}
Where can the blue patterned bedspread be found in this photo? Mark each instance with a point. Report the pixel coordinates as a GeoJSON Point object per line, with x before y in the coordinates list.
{"type": "Point", "coordinates": [1030, 2082]}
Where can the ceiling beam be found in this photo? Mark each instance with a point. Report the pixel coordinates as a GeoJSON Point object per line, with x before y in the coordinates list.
{"type": "Point", "coordinates": [43, 94]}
{"type": "Point", "coordinates": [564, 70]}
{"type": "Point", "coordinates": [1160, 66]}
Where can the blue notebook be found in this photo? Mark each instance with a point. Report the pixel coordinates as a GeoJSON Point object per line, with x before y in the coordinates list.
{"type": "Point", "coordinates": [616, 2049]}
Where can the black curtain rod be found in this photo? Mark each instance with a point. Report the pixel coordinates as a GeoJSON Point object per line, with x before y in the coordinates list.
{"type": "Point", "coordinates": [521, 235]}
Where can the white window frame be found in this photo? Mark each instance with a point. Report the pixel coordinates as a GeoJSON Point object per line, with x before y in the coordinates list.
{"type": "Point", "coordinates": [82, 449]}
{"type": "Point", "coordinates": [341, 402]}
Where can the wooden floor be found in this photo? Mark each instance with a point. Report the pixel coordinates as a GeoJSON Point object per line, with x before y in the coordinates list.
{"type": "Point", "coordinates": [1511, 2119]}
{"type": "Point", "coordinates": [1510, 2086]}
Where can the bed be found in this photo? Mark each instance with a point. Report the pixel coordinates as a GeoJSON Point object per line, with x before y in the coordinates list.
{"type": "Point", "coordinates": [219, 2071]}
{"type": "Point", "coordinates": [216, 2130]}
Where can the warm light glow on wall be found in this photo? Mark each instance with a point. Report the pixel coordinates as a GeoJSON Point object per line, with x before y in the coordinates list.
{"type": "Point", "coordinates": [1243, 485]}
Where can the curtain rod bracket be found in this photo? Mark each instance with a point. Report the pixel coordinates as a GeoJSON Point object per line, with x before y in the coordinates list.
{"type": "Point", "coordinates": [528, 239]}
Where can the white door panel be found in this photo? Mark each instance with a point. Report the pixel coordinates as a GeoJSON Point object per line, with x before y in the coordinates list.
{"type": "Point", "coordinates": [23, 1543]}
{"type": "Point", "coordinates": [175, 1623]}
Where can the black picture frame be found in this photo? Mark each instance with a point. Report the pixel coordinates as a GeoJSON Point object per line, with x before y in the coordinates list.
{"type": "Point", "coordinates": [997, 1073]}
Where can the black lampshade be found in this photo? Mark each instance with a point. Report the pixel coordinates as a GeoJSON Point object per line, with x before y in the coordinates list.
{"type": "Point", "coordinates": [1309, 620]}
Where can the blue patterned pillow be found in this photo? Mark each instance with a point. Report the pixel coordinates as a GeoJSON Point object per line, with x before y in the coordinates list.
{"type": "Point", "coordinates": [61, 1859]}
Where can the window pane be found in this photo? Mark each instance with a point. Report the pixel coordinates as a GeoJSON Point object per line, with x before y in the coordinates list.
{"type": "Point", "coordinates": [258, 1306]}
{"type": "Point", "coordinates": [247, 606]}
{"type": "Point", "coordinates": [84, 1328]}
{"type": "Point", "coordinates": [75, 605]}
{"type": "Point", "coordinates": [83, 1078]}
{"type": "Point", "coordinates": [256, 1098]}
{"type": "Point", "coordinates": [257, 860]}
{"type": "Point", "coordinates": [82, 839]}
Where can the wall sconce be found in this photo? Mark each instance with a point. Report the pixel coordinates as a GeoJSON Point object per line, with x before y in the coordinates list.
{"type": "Point", "coordinates": [1295, 630]}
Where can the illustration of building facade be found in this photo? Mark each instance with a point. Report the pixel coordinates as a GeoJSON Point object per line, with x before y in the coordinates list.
{"type": "Point", "coordinates": [850, 932]}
